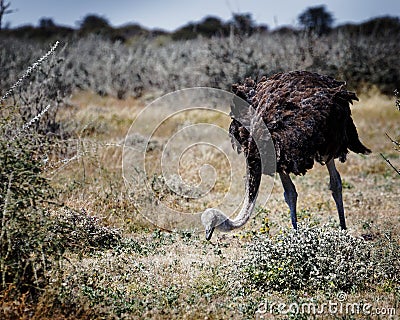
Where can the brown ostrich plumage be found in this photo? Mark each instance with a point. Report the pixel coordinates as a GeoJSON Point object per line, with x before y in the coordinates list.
{"type": "Point", "coordinates": [308, 119]}
{"type": "Point", "coordinates": [307, 115]}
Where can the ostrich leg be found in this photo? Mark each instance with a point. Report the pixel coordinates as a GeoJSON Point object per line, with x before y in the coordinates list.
{"type": "Point", "coordinates": [290, 196]}
{"type": "Point", "coordinates": [335, 185]}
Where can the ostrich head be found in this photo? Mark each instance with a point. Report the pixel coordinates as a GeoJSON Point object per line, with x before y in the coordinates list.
{"type": "Point", "coordinates": [213, 218]}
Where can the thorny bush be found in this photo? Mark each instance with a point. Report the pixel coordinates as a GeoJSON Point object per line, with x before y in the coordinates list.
{"type": "Point", "coordinates": [317, 258]}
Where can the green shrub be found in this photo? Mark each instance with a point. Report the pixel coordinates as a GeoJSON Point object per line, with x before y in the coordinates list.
{"type": "Point", "coordinates": [310, 258]}
{"type": "Point", "coordinates": [26, 251]}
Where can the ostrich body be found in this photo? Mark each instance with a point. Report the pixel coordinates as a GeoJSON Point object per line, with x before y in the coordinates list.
{"type": "Point", "coordinates": [308, 118]}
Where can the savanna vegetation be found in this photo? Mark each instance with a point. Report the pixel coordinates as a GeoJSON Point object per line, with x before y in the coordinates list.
{"type": "Point", "coordinates": [73, 240]}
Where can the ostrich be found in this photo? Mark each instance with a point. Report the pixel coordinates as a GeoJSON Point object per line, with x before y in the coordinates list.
{"type": "Point", "coordinates": [308, 118]}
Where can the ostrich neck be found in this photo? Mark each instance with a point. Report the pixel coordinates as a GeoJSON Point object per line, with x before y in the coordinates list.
{"type": "Point", "coordinates": [253, 178]}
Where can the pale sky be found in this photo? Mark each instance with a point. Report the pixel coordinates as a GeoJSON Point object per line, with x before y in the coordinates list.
{"type": "Point", "coordinates": [171, 14]}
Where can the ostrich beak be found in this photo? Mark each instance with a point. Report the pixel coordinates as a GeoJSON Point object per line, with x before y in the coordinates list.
{"type": "Point", "coordinates": [209, 233]}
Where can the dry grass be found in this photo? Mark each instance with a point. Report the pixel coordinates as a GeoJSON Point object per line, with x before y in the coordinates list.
{"type": "Point", "coordinates": [165, 275]}
{"type": "Point", "coordinates": [370, 188]}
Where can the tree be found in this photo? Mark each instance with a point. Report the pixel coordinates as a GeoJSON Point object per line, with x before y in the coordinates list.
{"type": "Point", "coordinates": [4, 9]}
{"type": "Point", "coordinates": [46, 23]}
{"type": "Point", "coordinates": [94, 23]}
{"type": "Point", "coordinates": [210, 26]}
{"type": "Point", "coordinates": [316, 19]}
{"type": "Point", "coordinates": [243, 23]}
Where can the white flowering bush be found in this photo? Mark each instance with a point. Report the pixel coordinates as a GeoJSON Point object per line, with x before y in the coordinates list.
{"type": "Point", "coordinates": [127, 69]}
{"type": "Point", "coordinates": [309, 258]}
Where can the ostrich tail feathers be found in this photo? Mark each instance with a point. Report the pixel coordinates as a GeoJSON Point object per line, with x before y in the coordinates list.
{"type": "Point", "coordinates": [355, 144]}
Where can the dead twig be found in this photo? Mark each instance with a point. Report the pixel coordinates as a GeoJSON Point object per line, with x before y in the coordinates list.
{"type": "Point", "coordinates": [390, 164]}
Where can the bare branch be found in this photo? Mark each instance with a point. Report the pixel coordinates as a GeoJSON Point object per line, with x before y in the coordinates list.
{"type": "Point", "coordinates": [396, 143]}
{"type": "Point", "coordinates": [4, 10]}
{"type": "Point", "coordinates": [390, 164]}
